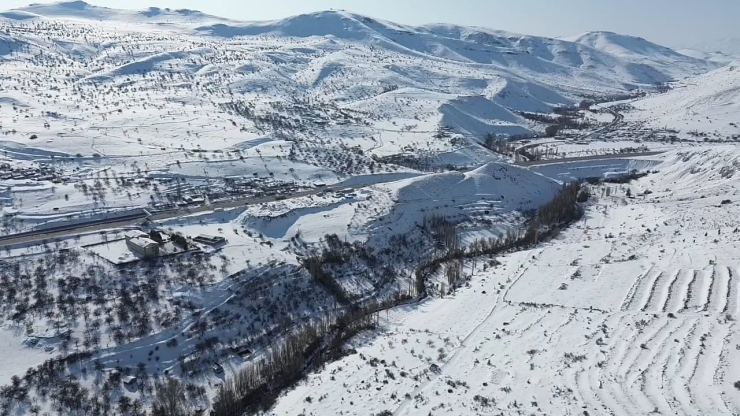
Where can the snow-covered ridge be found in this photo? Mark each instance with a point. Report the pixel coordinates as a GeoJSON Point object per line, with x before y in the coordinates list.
{"type": "Point", "coordinates": [83, 10]}
{"type": "Point", "coordinates": [494, 180]}
{"type": "Point", "coordinates": [640, 51]}
{"type": "Point", "coordinates": [629, 59]}
{"type": "Point", "coordinates": [727, 47]}
{"type": "Point", "coordinates": [707, 104]}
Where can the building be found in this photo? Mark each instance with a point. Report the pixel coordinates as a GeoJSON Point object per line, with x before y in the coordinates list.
{"type": "Point", "coordinates": [140, 243]}
{"type": "Point", "coordinates": [210, 239]}
{"type": "Point", "coordinates": [218, 369]}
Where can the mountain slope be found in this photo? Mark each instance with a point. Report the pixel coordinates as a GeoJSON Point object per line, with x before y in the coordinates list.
{"type": "Point", "coordinates": [645, 63]}
{"type": "Point", "coordinates": [82, 10]}
{"type": "Point", "coordinates": [724, 47]}
{"type": "Point", "coordinates": [708, 104]}
{"type": "Point", "coordinates": [632, 61]}
{"type": "Point", "coordinates": [718, 57]}
{"type": "Point", "coordinates": [388, 88]}
{"type": "Point", "coordinates": [640, 51]}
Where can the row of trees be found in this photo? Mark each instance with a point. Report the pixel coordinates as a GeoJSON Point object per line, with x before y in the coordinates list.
{"type": "Point", "coordinates": [562, 209]}
{"type": "Point", "coordinates": [258, 384]}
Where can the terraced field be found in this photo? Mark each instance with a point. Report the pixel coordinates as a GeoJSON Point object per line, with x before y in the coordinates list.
{"type": "Point", "coordinates": [631, 311]}
{"type": "Point", "coordinates": [713, 289]}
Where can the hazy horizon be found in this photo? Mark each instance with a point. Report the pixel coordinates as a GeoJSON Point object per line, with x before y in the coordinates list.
{"type": "Point", "coordinates": [690, 22]}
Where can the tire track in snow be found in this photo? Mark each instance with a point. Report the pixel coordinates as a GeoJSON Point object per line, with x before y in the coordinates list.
{"type": "Point", "coordinates": [565, 323]}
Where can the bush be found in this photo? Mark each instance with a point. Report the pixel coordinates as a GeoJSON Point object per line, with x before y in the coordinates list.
{"type": "Point", "coordinates": [551, 131]}
{"type": "Point", "coordinates": [180, 241]}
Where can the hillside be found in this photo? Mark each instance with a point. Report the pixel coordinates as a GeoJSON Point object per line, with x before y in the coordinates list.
{"type": "Point", "coordinates": [718, 57]}
{"type": "Point", "coordinates": [83, 11]}
{"type": "Point", "coordinates": [728, 47]}
{"type": "Point", "coordinates": [331, 80]}
{"type": "Point", "coordinates": [639, 51]}
{"type": "Point", "coordinates": [630, 311]}
{"type": "Point", "coordinates": [353, 216]}
{"type": "Point", "coordinates": [704, 106]}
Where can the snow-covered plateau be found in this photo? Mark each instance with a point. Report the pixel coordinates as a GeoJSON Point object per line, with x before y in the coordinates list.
{"type": "Point", "coordinates": [332, 214]}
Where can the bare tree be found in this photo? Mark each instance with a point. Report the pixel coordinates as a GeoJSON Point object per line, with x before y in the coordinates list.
{"type": "Point", "coordinates": [170, 400]}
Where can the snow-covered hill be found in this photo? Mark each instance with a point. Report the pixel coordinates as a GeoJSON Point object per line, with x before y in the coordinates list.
{"type": "Point", "coordinates": [718, 57]}
{"type": "Point", "coordinates": [84, 11]}
{"type": "Point", "coordinates": [630, 311]}
{"type": "Point", "coordinates": [329, 78]}
{"type": "Point", "coordinates": [704, 106]}
{"type": "Point", "coordinates": [728, 47]}
{"type": "Point", "coordinates": [639, 51]}
{"type": "Point", "coordinates": [644, 64]}
{"type": "Point", "coordinates": [338, 159]}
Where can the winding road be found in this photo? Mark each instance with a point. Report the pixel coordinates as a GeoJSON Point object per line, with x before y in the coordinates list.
{"type": "Point", "coordinates": [70, 229]}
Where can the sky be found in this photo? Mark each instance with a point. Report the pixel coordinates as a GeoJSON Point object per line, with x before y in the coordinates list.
{"type": "Point", "coordinates": [668, 22]}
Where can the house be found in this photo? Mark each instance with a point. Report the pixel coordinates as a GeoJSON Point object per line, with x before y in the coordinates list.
{"type": "Point", "coordinates": [217, 368]}
{"type": "Point", "coordinates": [140, 243]}
{"type": "Point", "coordinates": [129, 381]}
{"type": "Point", "coordinates": [209, 239]}
{"type": "Point", "coordinates": [243, 352]}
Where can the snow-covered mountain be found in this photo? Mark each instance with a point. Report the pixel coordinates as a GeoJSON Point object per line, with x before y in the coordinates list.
{"type": "Point", "coordinates": [639, 51]}
{"type": "Point", "coordinates": [471, 79]}
{"type": "Point", "coordinates": [718, 57]}
{"type": "Point", "coordinates": [708, 104]}
{"type": "Point", "coordinates": [336, 161]}
{"type": "Point", "coordinates": [635, 60]}
{"type": "Point", "coordinates": [729, 47]}
{"type": "Point", "coordinates": [86, 11]}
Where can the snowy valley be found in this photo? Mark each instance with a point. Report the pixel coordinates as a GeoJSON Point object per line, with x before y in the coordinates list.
{"type": "Point", "coordinates": [334, 214]}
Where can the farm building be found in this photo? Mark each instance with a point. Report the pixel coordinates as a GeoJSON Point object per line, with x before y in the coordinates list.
{"type": "Point", "coordinates": [140, 243]}
{"type": "Point", "coordinates": [210, 239]}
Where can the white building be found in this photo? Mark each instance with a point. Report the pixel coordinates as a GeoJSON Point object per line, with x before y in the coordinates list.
{"type": "Point", "coordinates": [140, 243]}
